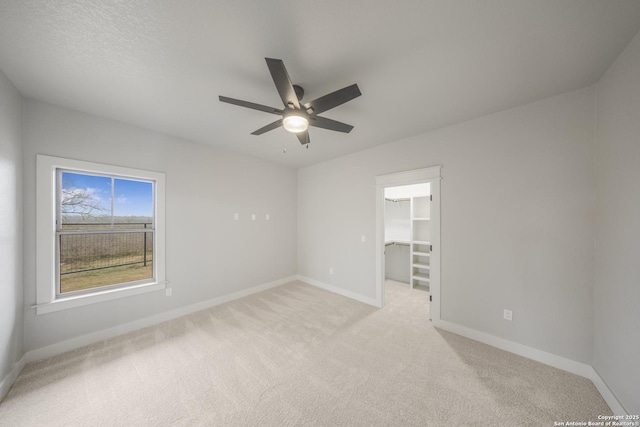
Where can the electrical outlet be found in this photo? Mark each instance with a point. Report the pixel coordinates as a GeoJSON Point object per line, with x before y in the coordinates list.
{"type": "Point", "coordinates": [363, 238]}
{"type": "Point", "coordinates": [331, 271]}
{"type": "Point", "coordinates": [267, 217]}
{"type": "Point", "coordinates": [236, 216]}
{"type": "Point", "coordinates": [508, 315]}
{"type": "Point", "coordinates": [253, 217]}
{"type": "Point", "coordinates": [168, 292]}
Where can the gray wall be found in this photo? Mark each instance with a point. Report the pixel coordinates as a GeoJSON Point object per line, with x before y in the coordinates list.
{"type": "Point", "coordinates": [616, 350]}
{"type": "Point", "coordinates": [208, 253]}
{"type": "Point", "coordinates": [517, 220]}
{"type": "Point", "coordinates": [11, 301]}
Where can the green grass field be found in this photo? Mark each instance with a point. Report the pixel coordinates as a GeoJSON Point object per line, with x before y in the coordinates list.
{"type": "Point", "coordinates": [107, 276]}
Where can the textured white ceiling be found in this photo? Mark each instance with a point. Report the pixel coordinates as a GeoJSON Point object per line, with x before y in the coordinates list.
{"type": "Point", "coordinates": [420, 64]}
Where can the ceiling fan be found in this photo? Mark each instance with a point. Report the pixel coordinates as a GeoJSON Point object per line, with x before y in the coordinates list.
{"type": "Point", "coordinates": [296, 117]}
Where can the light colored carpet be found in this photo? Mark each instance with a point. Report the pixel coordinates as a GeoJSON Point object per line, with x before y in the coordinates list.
{"type": "Point", "coordinates": [297, 355]}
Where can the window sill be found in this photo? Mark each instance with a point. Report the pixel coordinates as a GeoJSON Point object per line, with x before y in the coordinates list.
{"type": "Point", "coordinates": [99, 296]}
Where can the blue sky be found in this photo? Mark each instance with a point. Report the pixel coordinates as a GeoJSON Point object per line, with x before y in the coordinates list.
{"type": "Point", "coordinates": [131, 197]}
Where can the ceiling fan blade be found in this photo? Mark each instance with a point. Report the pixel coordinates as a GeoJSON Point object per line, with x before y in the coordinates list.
{"type": "Point", "coordinates": [334, 99]}
{"type": "Point", "coordinates": [282, 82]}
{"type": "Point", "coordinates": [267, 128]}
{"type": "Point", "coordinates": [303, 137]}
{"type": "Point", "coordinates": [251, 105]}
{"type": "Point", "coordinates": [324, 123]}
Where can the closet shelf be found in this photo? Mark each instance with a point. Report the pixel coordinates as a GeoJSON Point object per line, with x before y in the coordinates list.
{"type": "Point", "coordinates": [421, 266]}
{"type": "Point", "coordinates": [422, 219]}
{"type": "Point", "coordinates": [421, 242]}
{"type": "Point", "coordinates": [421, 277]}
{"type": "Point", "coordinates": [425, 254]}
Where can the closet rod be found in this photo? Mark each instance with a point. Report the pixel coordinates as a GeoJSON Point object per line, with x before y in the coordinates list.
{"type": "Point", "coordinates": [396, 243]}
{"type": "Point", "coordinates": [397, 200]}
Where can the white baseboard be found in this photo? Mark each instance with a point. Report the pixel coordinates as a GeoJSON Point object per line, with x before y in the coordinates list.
{"type": "Point", "coordinates": [81, 341]}
{"type": "Point", "coordinates": [11, 377]}
{"type": "Point", "coordinates": [339, 291]}
{"type": "Point", "coordinates": [559, 362]}
{"type": "Point", "coordinates": [616, 407]}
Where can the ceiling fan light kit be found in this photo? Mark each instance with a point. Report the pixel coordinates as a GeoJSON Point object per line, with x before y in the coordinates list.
{"type": "Point", "coordinates": [297, 117]}
{"type": "Point", "coordinates": [295, 121]}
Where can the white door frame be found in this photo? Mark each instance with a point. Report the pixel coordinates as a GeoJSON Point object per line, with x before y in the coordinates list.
{"type": "Point", "coordinates": [417, 176]}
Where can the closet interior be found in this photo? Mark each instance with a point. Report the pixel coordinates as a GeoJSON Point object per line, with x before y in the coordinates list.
{"type": "Point", "coordinates": [407, 221]}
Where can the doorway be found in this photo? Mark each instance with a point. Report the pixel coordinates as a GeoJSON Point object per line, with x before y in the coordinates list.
{"type": "Point", "coordinates": [419, 233]}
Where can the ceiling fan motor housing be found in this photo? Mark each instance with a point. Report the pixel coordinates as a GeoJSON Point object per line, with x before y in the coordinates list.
{"type": "Point", "coordinates": [299, 92]}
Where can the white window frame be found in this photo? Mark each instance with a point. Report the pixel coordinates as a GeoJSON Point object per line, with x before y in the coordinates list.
{"type": "Point", "coordinates": [47, 298]}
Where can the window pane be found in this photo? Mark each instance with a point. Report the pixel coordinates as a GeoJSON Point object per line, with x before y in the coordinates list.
{"type": "Point", "coordinates": [133, 203]}
{"type": "Point", "coordinates": [99, 259]}
{"type": "Point", "coordinates": [84, 199]}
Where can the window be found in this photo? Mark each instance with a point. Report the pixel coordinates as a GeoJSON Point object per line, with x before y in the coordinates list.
{"type": "Point", "coordinates": [104, 231]}
{"type": "Point", "coordinates": [100, 233]}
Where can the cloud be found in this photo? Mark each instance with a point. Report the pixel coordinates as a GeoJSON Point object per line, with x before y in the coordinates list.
{"type": "Point", "coordinates": [122, 200]}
